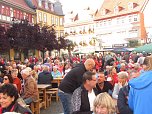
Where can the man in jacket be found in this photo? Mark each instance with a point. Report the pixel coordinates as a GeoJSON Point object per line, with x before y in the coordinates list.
{"type": "Point", "coordinates": [83, 96]}
{"type": "Point", "coordinates": [122, 101]}
{"type": "Point", "coordinates": [71, 81]}
{"type": "Point", "coordinates": [30, 92]}
{"type": "Point", "coordinates": [45, 77]}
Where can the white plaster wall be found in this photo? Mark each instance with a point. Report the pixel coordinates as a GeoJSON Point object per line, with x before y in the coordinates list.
{"type": "Point", "coordinates": [148, 18]}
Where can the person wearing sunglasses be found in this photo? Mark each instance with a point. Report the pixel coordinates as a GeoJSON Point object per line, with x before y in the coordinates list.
{"type": "Point", "coordinates": [7, 79]}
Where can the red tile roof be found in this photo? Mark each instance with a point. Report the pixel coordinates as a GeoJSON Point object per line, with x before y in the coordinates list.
{"type": "Point", "coordinates": [19, 3]}
{"type": "Point", "coordinates": [109, 5]}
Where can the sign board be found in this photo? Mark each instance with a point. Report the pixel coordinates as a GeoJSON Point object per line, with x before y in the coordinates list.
{"type": "Point", "coordinates": [119, 45]}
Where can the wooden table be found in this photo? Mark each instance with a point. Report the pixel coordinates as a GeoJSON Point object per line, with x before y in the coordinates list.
{"type": "Point", "coordinates": [43, 87]}
{"type": "Point", "coordinates": [57, 80]}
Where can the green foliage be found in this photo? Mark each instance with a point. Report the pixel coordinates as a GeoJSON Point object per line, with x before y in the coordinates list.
{"type": "Point", "coordinates": [133, 43]}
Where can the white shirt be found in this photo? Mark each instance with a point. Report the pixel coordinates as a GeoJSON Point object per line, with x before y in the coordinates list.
{"type": "Point", "coordinates": [91, 97]}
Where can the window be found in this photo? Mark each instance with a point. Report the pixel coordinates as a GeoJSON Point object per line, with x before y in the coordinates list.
{"type": "Point", "coordinates": [100, 23]}
{"type": "Point", "coordinates": [32, 19]}
{"type": "Point", "coordinates": [103, 11]}
{"type": "Point", "coordinates": [109, 21]}
{"type": "Point", "coordinates": [7, 11]}
{"type": "Point", "coordinates": [46, 5]}
{"type": "Point", "coordinates": [122, 19]}
{"type": "Point", "coordinates": [96, 24]}
{"type": "Point", "coordinates": [130, 5]}
{"type": "Point", "coordinates": [116, 9]}
{"type": "Point", "coordinates": [104, 22]}
{"type": "Point", "coordinates": [52, 7]}
{"type": "Point", "coordinates": [56, 21]}
{"type": "Point", "coordinates": [45, 18]}
{"type": "Point", "coordinates": [11, 12]}
{"type": "Point", "coordinates": [118, 20]}
{"type": "Point", "coordinates": [27, 17]}
{"type": "Point", "coordinates": [52, 19]}
{"type": "Point", "coordinates": [40, 3]}
{"type": "Point", "coordinates": [40, 16]}
{"type": "Point", "coordinates": [15, 13]}
{"type": "Point", "coordinates": [135, 18]}
{"type": "Point", "coordinates": [18, 15]}
{"type": "Point", "coordinates": [24, 15]}
{"type": "Point", "coordinates": [61, 21]}
{"type": "Point", "coordinates": [21, 15]}
{"type": "Point", "coordinates": [3, 10]}
{"type": "Point", "coordinates": [130, 18]}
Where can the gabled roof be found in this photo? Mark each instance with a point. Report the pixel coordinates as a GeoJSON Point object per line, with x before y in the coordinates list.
{"type": "Point", "coordinates": [19, 3]}
{"type": "Point", "coordinates": [122, 6]}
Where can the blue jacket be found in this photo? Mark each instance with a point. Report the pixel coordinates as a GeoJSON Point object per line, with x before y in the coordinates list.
{"type": "Point", "coordinates": [140, 94]}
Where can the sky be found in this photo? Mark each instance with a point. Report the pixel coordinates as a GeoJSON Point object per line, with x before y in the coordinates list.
{"type": "Point", "coordinates": [78, 5]}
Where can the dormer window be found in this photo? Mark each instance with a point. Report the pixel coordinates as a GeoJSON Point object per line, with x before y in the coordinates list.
{"type": "Point", "coordinates": [40, 3]}
{"type": "Point", "coordinates": [132, 5]}
{"type": "Point", "coordinates": [43, 3]}
{"type": "Point", "coordinates": [46, 5]}
{"type": "Point", "coordinates": [105, 11]}
{"type": "Point", "coordinates": [52, 7]}
{"type": "Point", "coordinates": [117, 9]}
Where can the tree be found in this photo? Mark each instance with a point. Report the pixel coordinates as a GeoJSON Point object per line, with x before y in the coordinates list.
{"type": "Point", "coordinates": [133, 43]}
{"type": "Point", "coordinates": [69, 45]}
{"type": "Point", "coordinates": [4, 45]}
{"type": "Point", "coordinates": [27, 36]}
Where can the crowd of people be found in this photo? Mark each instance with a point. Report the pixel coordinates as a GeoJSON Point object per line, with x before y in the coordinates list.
{"type": "Point", "coordinates": [99, 84]}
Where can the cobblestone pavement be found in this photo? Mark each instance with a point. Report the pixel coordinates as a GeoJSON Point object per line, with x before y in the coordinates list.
{"type": "Point", "coordinates": [55, 108]}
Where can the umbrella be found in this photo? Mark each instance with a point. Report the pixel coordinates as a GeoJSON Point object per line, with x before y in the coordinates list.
{"type": "Point", "coordinates": [145, 48]}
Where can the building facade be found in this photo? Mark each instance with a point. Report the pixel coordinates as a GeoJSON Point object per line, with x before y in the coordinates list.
{"type": "Point", "coordinates": [49, 14]}
{"type": "Point", "coordinates": [80, 30]}
{"type": "Point", "coordinates": [14, 10]}
{"type": "Point", "coordinates": [118, 22]}
{"type": "Point", "coordinates": [42, 12]}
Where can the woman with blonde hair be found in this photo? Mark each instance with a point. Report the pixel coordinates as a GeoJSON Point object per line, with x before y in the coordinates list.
{"type": "Point", "coordinates": [104, 104]}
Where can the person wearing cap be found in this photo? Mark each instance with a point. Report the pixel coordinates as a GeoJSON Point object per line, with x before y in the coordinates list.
{"type": "Point", "coordinates": [71, 81]}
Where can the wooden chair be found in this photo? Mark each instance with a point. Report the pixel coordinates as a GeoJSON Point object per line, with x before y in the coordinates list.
{"type": "Point", "coordinates": [54, 92]}
{"type": "Point", "coordinates": [48, 99]}
{"type": "Point", "coordinates": [36, 105]}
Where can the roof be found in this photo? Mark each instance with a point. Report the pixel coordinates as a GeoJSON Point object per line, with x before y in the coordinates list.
{"type": "Point", "coordinates": [53, 11]}
{"type": "Point", "coordinates": [58, 8]}
{"type": "Point", "coordinates": [19, 3]}
{"type": "Point", "coordinates": [122, 5]}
